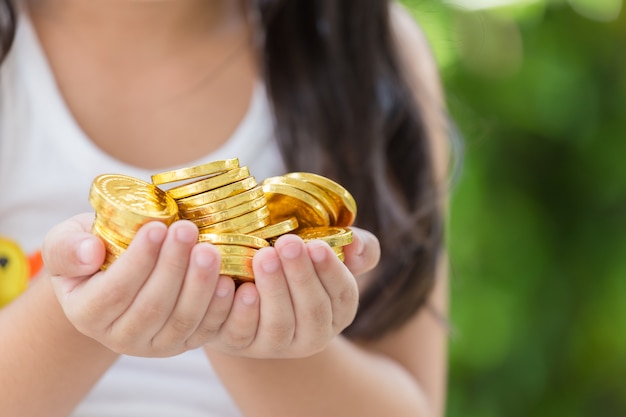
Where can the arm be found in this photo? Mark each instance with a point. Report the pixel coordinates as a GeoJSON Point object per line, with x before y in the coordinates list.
{"type": "Point", "coordinates": [62, 334]}
{"type": "Point", "coordinates": [47, 365]}
{"type": "Point", "coordinates": [402, 374]}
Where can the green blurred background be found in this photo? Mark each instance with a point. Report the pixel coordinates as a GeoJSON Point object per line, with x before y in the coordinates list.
{"type": "Point", "coordinates": [538, 214]}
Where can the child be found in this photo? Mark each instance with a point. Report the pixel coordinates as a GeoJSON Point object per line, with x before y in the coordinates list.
{"type": "Point", "coordinates": [348, 90]}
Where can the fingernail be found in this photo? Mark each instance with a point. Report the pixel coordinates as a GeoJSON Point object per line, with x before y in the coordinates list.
{"type": "Point", "coordinates": [317, 253]}
{"type": "Point", "coordinates": [186, 235]}
{"type": "Point", "coordinates": [290, 250]}
{"type": "Point", "coordinates": [222, 289]}
{"type": "Point", "coordinates": [86, 251]}
{"type": "Point", "coordinates": [270, 265]}
{"type": "Point", "coordinates": [157, 234]}
{"type": "Point", "coordinates": [204, 259]}
{"type": "Point", "coordinates": [248, 299]}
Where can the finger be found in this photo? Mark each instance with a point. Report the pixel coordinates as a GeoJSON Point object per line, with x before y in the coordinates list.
{"type": "Point", "coordinates": [70, 249]}
{"type": "Point", "coordinates": [310, 302]}
{"type": "Point", "coordinates": [216, 314]}
{"type": "Point", "coordinates": [240, 328]}
{"type": "Point", "coordinates": [195, 296]}
{"type": "Point", "coordinates": [155, 301]}
{"type": "Point", "coordinates": [105, 296]}
{"type": "Point", "coordinates": [277, 318]}
{"type": "Point", "coordinates": [338, 282]}
{"type": "Point", "coordinates": [363, 254]}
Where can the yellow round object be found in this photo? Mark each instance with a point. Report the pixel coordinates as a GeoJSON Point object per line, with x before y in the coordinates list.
{"type": "Point", "coordinates": [346, 205]}
{"type": "Point", "coordinates": [14, 271]}
{"type": "Point", "coordinates": [195, 171]}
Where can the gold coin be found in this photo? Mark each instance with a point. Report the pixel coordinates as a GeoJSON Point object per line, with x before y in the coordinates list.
{"type": "Point", "coordinates": [341, 255]}
{"type": "Point", "coordinates": [253, 226]}
{"type": "Point", "coordinates": [206, 184]}
{"type": "Point", "coordinates": [320, 194]}
{"type": "Point", "coordinates": [220, 193]}
{"type": "Point", "coordinates": [285, 201]}
{"type": "Point", "coordinates": [222, 205]}
{"type": "Point", "coordinates": [137, 199]}
{"type": "Point", "coordinates": [334, 236]}
{"type": "Point", "coordinates": [233, 225]}
{"type": "Point", "coordinates": [195, 171]}
{"type": "Point", "coordinates": [233, 239]}
{"type": "Point", "coordinates": [113, 231]}
{"type": "Point", "coordinates": [122, 224]}
{"type": "Point", "coordinates": [230, 213]}
{"type": "Point", "coordinates": [237, 260]}
{"type": "Point", "coordinates": [241, 272]}
{"type": "Point", "coordinates": [236, 250]}
{"type": "Point", "coordinates": [345, 201]}
{"type": "Point", "coordinates": [276, 229]}
{"type": "Point", "coordinates": [112, 246]}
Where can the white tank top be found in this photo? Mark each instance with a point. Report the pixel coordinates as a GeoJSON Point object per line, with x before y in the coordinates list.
{"type": "Point", "coordinates": [47, 165]}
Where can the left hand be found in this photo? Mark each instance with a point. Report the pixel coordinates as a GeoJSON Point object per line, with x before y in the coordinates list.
{"type": "Point", "coordinates": [303, 296]}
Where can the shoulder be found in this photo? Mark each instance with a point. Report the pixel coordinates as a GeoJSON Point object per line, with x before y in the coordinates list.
{"type": "Point", "coordinates": [422, 73]}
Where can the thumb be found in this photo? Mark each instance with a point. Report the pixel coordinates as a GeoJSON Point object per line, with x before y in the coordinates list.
{"type": "Point", "coordinates": [70, 249]}
{"type": "Point", "coordinates": [363, 253]}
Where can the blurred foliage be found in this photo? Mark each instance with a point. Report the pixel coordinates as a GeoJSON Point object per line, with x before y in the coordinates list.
{"type": "Point", "coordinates": [538, 215]}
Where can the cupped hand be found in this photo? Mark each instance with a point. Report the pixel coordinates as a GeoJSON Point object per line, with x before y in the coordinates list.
{"type": "Point", "coordinates": [303, 297]}
{"type": "Point", "coordinates": [162, 296]}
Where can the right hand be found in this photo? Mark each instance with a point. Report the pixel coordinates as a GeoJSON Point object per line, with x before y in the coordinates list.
{"type": "Point", "coordinates": [163, 296]}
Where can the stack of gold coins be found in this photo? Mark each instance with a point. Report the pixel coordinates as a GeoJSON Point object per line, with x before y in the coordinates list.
{"type": "Point", "coordinates": [123, 204]}
{"type": "Point", "coordinates": [236, 250]}
{"type": "Point", "coordinates": [323, 208]}
{"type": "Point", "coordinates": [230, 209]}
{"type": "Point", "coordinates": [336, 237]}
{"type": "Point", "coordinates": [222, 197]}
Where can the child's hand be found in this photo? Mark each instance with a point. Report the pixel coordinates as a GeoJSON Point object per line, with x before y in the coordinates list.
{"type": "Point", "coordinates": [160, 298]}
{"type": "Point", "coordinates": [164, 295]}
{"type": "Point", "coordinates": [303, 297]}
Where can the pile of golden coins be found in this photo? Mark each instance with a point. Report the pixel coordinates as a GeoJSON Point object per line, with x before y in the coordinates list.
{"type": "Point", "coordinates": [231, 210]}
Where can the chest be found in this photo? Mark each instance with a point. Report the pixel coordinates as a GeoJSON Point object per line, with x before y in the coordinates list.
{"type": "Point", "coordinates": [153, 129]}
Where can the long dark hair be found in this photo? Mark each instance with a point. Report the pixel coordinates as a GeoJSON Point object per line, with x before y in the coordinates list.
{"type": "Point", "coordinates": [344, 109]}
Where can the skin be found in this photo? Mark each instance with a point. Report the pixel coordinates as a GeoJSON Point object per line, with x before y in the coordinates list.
{"type": "Point", "coordinates": [276, 345]}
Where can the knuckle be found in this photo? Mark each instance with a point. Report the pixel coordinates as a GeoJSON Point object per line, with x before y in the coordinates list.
{"type": "Point", "coordinates": [280, 333]}
{"type": "Point", "coordinates": [319, 312]}
{"type": "Point", "coordinates": [182, 325]}
{"type": "Point", "coordinates": [204, 333]}
{"type": "Point", "coordinates": [348, 295]}
{"type": "Point", "coordinates": [236, 341]}
{"type": "Point", "coordinates": [302, 277]}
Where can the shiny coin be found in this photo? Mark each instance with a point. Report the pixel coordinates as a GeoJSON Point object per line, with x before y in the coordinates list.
{"type": "Point", "coordinates": [236, 250]}
{"type": "Point", "coordinates": [241, 272]}
{"type": "Point", "coordinates": [345, 202]}
{"type": "Point", "coordinates": [233, 239]}
{"type": "Point", "coordinates": [233, 225]}
{"type": "Point", "coordinates": [285, 201]}
{"type": "Point", "coordinates": [320, 194]}
{"type": "Point", "coordinates": [334, 236]}
{"type": "Point", "coordinates": [237, 260]}
{"type": "Point", "coordinates": [254, 226]}
{"type": "Point", "coordinates": [140, 201]}
{"type": "Point", "coordinates": [210, 183]}
{"type": "Point", "coordinates": [222, 205]}
{"type": "Point", "coordinates": [220, 193]}
{"type": "Point", "coordinates": [195, 171]}
{"type": "Point", "coordinates": [276, 229]}
{"type": "Point", "coordinates": [231, 213]}
{"type": "Point", "coordinates": [111, 243]}
{"type": "Point", "coordinates": [113, 231]}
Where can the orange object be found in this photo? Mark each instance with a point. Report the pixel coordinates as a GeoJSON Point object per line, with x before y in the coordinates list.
{"type": "Point", "coordinates": [36, 264]}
